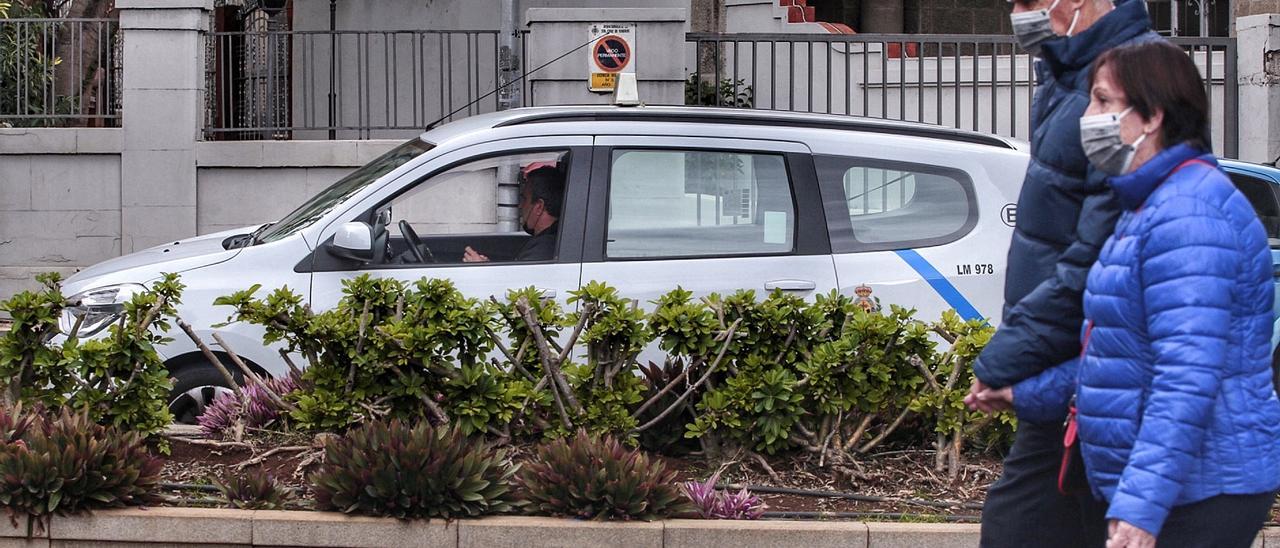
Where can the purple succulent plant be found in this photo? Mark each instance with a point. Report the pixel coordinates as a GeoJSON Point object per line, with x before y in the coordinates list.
{"type": "Point", "coordinates": [258, 412]}
{"type": "Point", "coordinates": [717, 504]}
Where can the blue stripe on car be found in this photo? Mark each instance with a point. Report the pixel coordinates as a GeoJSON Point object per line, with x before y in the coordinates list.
{"type": "Point", "coordinates": [940, 284]}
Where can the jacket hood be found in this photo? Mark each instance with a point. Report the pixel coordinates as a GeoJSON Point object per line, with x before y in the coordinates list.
{"type": "Point", "coordinates": [1066, 54]}
{"type": "Point", "coordinates": [1134, 187]}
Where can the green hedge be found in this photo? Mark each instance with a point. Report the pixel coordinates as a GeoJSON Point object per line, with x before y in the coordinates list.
{"type": "Point", "coordinates": [771, 373]}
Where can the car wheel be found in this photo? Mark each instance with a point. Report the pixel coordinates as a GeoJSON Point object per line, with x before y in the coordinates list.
{"type": "Point", "coordinates": [1275, 369]}
{"type": "Point", "coordinates": [194, 388]}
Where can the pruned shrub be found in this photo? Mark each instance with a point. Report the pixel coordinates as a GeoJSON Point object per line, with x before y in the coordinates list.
{"type": "Point", "coordinates": [598, 478]}
{"type": "Point", "coordinates": [762, 373]}
{"type": "Point", "coordinates": [402, 471]}
{"type": "Point", "coordinates": [387, 350]}
{"type": "Point", "coordinates": [67, 463]}
{"type": "Point", "coordinates": [117, 375]}
{"type": "Point", "coordinates": [253, 491]}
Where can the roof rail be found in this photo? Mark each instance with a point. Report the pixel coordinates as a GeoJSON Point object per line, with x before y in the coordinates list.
{"type": "Point", "coordinates": [706, 115]}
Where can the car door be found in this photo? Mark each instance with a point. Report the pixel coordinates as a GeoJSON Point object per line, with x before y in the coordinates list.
{"type": "Point", "coordinates": [905, 223]}
{"type": "Point", "coordinates": [1263, 193]}
{"type": "Point", "coordinates": [470, 199]}
{"type": "Point", "coordinates": [708, 215]}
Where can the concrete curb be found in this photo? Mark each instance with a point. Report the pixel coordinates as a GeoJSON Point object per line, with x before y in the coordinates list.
{"type": "Point", "coordinates": [137, 527]}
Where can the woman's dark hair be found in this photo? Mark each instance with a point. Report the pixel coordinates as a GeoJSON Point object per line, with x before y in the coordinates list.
{"type": "Point", "coordinates": [1160, 76]}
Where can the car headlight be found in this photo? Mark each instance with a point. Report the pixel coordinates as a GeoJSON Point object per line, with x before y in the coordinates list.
{"type": "Point", "coordinates": [95, 309]}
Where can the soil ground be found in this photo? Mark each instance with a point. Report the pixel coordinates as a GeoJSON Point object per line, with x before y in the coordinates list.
{"type": "Point", "coordinates": [894, 485]}
{"type": "Point", "coordinates": [903, 482]}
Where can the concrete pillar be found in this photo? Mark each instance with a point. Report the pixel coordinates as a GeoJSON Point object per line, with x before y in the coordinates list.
{"type": "Point", "coordinates": [162, 103]}
{"type": "Point", "coordinates": [1258, 62]}
{"type": "Point", "coordinates": [659, 53]}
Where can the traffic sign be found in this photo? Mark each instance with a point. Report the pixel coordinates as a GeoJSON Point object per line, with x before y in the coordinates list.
{"type": "Point", "coordinates": [612, 52]}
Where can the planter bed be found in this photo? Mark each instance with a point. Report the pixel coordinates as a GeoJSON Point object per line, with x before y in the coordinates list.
{"type": "Point", "coordinates": [898, 485]}
{"type": "Point", "coordinates": [220, 527]}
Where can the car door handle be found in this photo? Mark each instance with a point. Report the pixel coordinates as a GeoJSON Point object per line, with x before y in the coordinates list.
{"type": "Point", "coordinates": [790, 285]}
{"type": "Point", "coordinates": [547, 293]}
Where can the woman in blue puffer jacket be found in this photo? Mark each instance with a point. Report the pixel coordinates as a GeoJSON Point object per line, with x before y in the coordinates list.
{"type": "Point", "coordinates": [1178, 421]}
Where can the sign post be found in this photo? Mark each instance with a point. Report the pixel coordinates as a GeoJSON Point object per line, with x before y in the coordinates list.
{"type": "Point", "coordinates": [612, 52]}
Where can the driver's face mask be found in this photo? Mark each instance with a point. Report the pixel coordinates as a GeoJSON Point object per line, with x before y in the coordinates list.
{"type": "Point", "coordinates": [526, 211]}
{"type": "Point", "coordinates": [1034, 28]}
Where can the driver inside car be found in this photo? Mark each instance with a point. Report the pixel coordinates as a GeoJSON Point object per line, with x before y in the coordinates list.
{"type": "Point", "coordinates": [541, 198]}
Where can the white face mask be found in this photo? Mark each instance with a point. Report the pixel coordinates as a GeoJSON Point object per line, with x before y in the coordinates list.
{"type": "Point", "coordinates": [1100, 138]}
{"type": "Point", "coordinates": [1033, 28]}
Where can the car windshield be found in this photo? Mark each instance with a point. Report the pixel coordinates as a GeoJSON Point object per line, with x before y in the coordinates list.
{"type": "Point", "coordinates": [325, 201]}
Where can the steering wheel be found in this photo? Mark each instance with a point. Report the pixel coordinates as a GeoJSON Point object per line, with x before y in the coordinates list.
{"type": "Point", "coordinates": [419, 250]}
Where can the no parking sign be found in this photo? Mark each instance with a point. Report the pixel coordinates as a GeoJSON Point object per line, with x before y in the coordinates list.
{"type": "Point", "coordinates": [611, 52]}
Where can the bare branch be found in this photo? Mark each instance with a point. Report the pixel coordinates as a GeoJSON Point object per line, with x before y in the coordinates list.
{"type": "Point", "coordinates": [151, 315]}
{"type": "Point", "coordinates": [791, 337]}
{"type": "Point", "coordinates": [258, 459]}
{"type": "Point", "coordinates": [728, 341]}
{"type": "Point", "coordinates": [884, 433]}
{"type": "Point", "coordinates": [351, 369]}
{"type": "Point", "coordinates": [549, 360]}
{"type": "Point", "coordinates": [252, 376]}
{"type": "Point", "coordinates": [209, 355]}
{"type": "Point", "coordinates": [666, 389]}
{"type": "Point", "coordinates": [928, 375]}
{"type": "Point", "coordinates": [210, 443]}
{"type": "Point", "coordinates": [435, 410]}
{"type": "Point", "coordinates": [284, 354]}
{"type": "Point", "coordinates": [588, 311]}
{"type": "Point", "coordinates": [858, 432]}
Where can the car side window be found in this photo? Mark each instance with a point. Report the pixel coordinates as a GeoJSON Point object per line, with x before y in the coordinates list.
{"type": "Point", "coordinates": [1262, 197]}
{"type": "Point", "coordinates": [698, 203]}
{"type": "Point", "coordinates": [895, 205]}
{"type": "Point", "coordinates": [495, 209]}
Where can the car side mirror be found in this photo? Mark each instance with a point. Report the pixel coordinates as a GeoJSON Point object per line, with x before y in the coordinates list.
{"type": "Point", "coordinates": [353, 241]}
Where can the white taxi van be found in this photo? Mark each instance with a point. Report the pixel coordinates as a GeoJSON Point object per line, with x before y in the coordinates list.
{"type": "Point", "coordinates": [643, 198]}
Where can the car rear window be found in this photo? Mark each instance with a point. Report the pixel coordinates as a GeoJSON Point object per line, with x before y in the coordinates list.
{"type": "Point", "coordinates": [894, 205]}
{"type": "Point", "coordinates": [696, 203]}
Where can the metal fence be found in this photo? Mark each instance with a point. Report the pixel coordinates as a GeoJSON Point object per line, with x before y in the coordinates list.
{"type": "Point", "coordinates": [282, 84]}
{"type": "Point", "coordinates": [59, 72]}
{"type": "Point", "coordinates": [979, 82]}
{"type": "Point", "coordinates": [345, 84]}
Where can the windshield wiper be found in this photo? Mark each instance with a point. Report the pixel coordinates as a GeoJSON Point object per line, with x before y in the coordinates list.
{"type": "Point", "coordinates": [253, 237]}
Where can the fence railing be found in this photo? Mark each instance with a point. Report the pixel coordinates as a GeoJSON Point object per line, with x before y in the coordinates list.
{"type": "Point", "coordinates": [980, 82]}
{"type": "Point", "coordinates": [59, 72]}
{"type": "Point", "coordinates": [345, 84]}
{"type": "Point", "coordinates": [281, 84]}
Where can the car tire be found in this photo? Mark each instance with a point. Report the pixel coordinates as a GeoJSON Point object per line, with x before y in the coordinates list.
{"type": "Point", "coordinates": [1275, 369]}
{"type": "Point", "coordinates": [194, 388]}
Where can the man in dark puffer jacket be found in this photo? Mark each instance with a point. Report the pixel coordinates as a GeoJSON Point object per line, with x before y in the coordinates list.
{"type": "Point", "coordinates": [1065, 213]}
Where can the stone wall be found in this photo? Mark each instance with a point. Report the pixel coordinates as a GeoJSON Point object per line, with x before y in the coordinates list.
{"type": "Point", "coordinates": [59, 202]}
{"type": "Point", "coordinates": [1255, 7]}
{"type": "Point", "coordinates": [956, 17]}
{"type": "Point", "coordinates": [60, 192]}
{"type": "Point", "coordinates": [245, 183]}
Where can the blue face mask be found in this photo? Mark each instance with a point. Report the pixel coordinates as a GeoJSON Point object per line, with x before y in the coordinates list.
{"type": "Point", "coordinates": [1100, 138]}
{"type": "Point", "coordinates": [1033, 28]}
